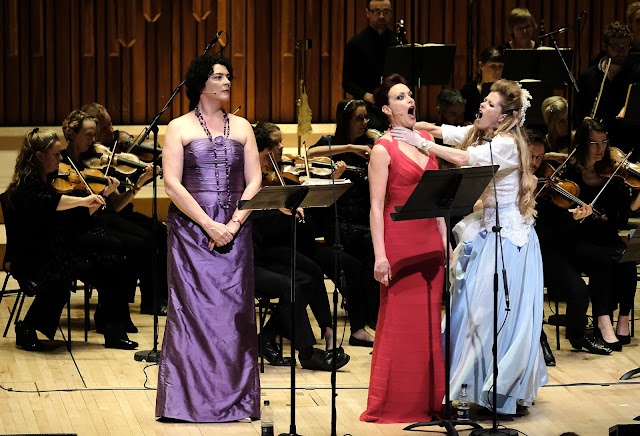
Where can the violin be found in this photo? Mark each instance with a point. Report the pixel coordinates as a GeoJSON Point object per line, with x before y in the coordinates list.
{"type": "Point", "coordinates": [125, 164]}
{"type": "Point", "coordinates": [274, 177]}
{"type": "Point", "coordinates": [89, 180]}
{"type": "Point", "coordinates": [617, 165]}
{"type": "Point", "coordinates": [318, 166]}
{"type": "Point", "coordinates": [563, 193]}
{"type": "Point", "coordinates": [144, 151]}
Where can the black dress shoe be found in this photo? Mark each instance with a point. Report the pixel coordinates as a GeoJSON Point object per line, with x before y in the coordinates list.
{"type": "Point", "coordinates": [624, 339]}
{"type": "Point", "coordinates": [355, 342]}
{"type": "Point", "coordinates": [27, 338]}
{"type": "Point", "coordinates": [129, 326]}
{"type": "Point", "coordinates": [116, 337]}
{"type": "Point", "coordinates": [592, 344]}
{"type": "Point", "coordinates": [272, 353]}
{"type": "Point", "coordinates": [549, 360]}
{"type": "Point", "coordinates": [323, 360]}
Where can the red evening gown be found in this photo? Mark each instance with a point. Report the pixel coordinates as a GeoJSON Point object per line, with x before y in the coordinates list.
{"type": "Point", "coordinates": [407, 368]}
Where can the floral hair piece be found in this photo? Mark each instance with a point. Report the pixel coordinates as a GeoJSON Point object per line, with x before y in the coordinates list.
{"type": "Point", "coordinates": [526, 104]}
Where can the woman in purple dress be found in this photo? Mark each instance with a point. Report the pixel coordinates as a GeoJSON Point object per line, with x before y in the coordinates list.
{"type": "Point", "coordinates": [208, 371]}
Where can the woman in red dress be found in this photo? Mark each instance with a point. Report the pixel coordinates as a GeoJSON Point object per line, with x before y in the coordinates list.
{"type": "Point", "coordinates": [407, 369]}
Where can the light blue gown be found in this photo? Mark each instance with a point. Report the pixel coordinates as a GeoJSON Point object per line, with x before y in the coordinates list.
{"type": "Point", "coordinates": [521, 367]}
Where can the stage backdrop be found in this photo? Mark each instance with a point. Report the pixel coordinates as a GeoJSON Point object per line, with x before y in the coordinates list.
{"type": "Point", "coordinates": [130, 54]}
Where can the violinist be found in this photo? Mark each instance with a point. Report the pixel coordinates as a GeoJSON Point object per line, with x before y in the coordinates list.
{"type": "Point", "coordinates": [555, 112]}
{"type": "Point", "coordinates": [522, 26]}
{"type": "Point", "coordinates": [352, 144]}
{"type": "Point", "coordinates": [597, 242]}
{"type": "Point", "coordinates": [48, 255]}
{"type": "Point", "coordinates": [556, 228]}
{"type": "Point", "coordinates": [139, 224]}
{"type": "Point", "coordinates": [134, 238]}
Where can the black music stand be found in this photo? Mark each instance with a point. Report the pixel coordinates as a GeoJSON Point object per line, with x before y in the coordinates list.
{"type": "Point", "coordinates": [415, 63]}
{"type": "Point", "coordinates": [445, 193]}
{"type": "Point", "coordinates": [544, 66]}
{"type": "Point", "coordinates": [293, 197]}
{"type": "Point", "coordinates": [632, 254]}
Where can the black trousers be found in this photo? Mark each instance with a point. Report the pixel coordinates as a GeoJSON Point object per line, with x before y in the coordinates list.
{"type": "Point", "coordinates": [310, 291]}
{"type": "Point", "coordinates": [323, 255]}
{"type": "Point", "coordinates": [135, 232]}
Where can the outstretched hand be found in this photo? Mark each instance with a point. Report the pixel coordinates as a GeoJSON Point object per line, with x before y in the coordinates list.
{"type": "Point", "coordinates": [408, 136]}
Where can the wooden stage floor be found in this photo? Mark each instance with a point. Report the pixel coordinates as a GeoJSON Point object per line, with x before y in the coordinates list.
{"type": "Point", "coordinates": [99, 391]}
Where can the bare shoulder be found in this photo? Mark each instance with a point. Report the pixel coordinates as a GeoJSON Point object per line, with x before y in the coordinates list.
{"type": "Point", "coordinates": [240, 129]}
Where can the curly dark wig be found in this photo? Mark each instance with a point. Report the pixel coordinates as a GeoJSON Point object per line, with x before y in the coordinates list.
{"type": "Point", "coordinates": [199, 72]}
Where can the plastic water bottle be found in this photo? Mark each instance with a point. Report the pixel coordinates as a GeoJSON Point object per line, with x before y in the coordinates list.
{"type": "Point", "coordinates": [463, 404]}
{"type": "Point", "coordinates": [266, 419]}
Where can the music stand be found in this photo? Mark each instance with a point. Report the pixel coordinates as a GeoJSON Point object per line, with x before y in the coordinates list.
{"type": "Point", "coordinates": [445, 193]}
{"type": "Point", "coordinates": [631, 254]}
{"type": "Point", "coordinates": [542, 65]}
{"type": "Point", "coordinates": [420, 71]}
{"type": "Point", "coordinates": [293, 197]}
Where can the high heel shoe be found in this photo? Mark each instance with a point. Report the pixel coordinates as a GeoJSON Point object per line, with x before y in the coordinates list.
{"type": "Point", "coordinates": [624, 339]}
{"type": "Point", "coordinates": [614, 346]}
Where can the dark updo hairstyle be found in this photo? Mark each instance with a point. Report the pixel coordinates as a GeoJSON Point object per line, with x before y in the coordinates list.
{"type": "Point", "coordinates": [263, 131]}
{"type": "Point", "coordinates": [581, 141]}
{"type": "Point", "coordinates": [381, 95]}
{"type": "Point", "coordinates": [344, 112]}
{"type": "Point", "coordinates": [199, 72]}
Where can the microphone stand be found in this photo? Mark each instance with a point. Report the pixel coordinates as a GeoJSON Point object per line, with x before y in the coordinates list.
{"type": "Point", "coordinates": [567, 69]}
{"type": "Point", "coordinates": [153, 355]}
{"type": "Point", "coordinates": [341, 284]}
{"type": "Point", "coordinates": [493, 431]}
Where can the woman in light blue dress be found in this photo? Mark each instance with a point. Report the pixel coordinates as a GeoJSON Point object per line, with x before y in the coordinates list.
{"type": "Point", "coordinates": [521, 367]}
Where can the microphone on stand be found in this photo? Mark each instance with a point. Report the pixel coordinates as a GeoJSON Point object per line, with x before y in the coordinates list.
{"type": "Point", "coordinates": [555, 32]}
{"type": "Point", "coordinates": [496, 229]}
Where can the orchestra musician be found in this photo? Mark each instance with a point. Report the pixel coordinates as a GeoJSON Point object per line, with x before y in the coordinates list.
{"type": "Point", "coordinates": [271, 238]}
{"type": "Point", "coordinates": [352, 144]}
{"type": "Point", "coordinates": [490, 66]}
{"type": "Point", "coordinates": [137, 223]}
{"type": "Point", "coordinates": [556, 227]}
{"type": "Point", "coordinates": [522, 26]}
{"type": "Point", "coordinates": [364, 58]}
{"type": "Point", "coordinates": [596, 244]}
{"type": "Point", "coordinates": [616, 41]}
{"type": "Point", "coordinates": [53, 246]}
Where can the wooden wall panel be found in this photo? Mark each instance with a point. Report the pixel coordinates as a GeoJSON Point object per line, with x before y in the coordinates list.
{"type": "Point", "coordinates": [60, 54]}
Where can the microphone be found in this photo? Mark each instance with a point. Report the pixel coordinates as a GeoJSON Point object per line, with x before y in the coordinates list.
{"type": "Point", "coordinates": [555, 32]}
{"type": "Point", "coordinates": [214, 40]}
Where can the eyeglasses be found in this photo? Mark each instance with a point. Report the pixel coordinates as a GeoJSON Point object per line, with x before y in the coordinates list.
{"type": "Point", "coordinates": [362, 118]}
{"type": "Point", "coordinates": [384, 12]}
{"type": "Point", "coordinates": [598, 143]}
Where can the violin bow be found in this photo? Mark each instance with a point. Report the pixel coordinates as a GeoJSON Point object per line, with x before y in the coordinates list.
{"type": "Point", "coordinates": [275, 168]}
{"type": "Point", "coordinates": [624, 161]}
{"type": "Point", "coordinates": [306, 161]}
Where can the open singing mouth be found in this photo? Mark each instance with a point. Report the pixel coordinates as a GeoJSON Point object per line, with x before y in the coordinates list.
{"type": "Point", "coordinates": [411, 110]}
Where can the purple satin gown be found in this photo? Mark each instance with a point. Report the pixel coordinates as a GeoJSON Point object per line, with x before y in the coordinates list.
{"type": "Point", "coordinates": [208, 370]}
